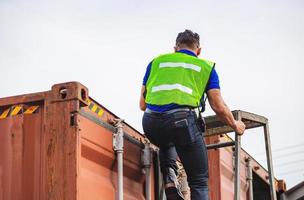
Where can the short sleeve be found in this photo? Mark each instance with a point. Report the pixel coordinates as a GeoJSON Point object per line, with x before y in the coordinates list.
{"type": "Point", "coordinates": [148, 70]}
{"type": "Point", "coordinates": [214, 82]}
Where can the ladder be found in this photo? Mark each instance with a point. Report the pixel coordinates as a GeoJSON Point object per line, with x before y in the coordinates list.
{"type": "Point", "coordinates": [215, 127]}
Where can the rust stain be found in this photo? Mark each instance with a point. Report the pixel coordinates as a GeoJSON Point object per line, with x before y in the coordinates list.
{"type": "Point", "coordinates": [45, 156]}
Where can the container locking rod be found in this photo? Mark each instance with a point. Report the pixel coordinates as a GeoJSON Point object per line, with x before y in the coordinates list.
{"type": "Point", "coordinates": [118, 144]}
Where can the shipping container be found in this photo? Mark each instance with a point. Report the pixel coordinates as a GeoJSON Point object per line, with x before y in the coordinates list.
{"type": "Point", "coordinates": [58, 144]}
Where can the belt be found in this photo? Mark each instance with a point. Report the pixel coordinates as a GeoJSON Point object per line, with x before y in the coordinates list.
{"type": "Point", "coordinates": [169, 111]}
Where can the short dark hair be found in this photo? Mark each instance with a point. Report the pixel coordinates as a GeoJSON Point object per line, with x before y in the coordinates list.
{"type": "Point", "coordinates": [188, 38]}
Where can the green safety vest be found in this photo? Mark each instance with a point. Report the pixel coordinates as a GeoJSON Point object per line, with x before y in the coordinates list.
{"type": "Point", "coordinates": [177, 78]}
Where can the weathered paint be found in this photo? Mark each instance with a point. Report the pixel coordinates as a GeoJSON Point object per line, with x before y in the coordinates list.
{"type": "Point", "coordinates": [55, 152]}
{"type": "Point", "coordinates": [21, 157]}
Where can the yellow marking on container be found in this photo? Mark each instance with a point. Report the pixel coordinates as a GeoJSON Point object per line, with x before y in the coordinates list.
{"type": "Point", "coordinates": [100, 112]}
{"type": "Point", "coordinates": [4, 114]}
{"type": "Point", "coordinates": [16, 110]}
{"type": "Point", "coordinates": [31, 109]}
{"type": "Point", "coordinates": [94, 108]}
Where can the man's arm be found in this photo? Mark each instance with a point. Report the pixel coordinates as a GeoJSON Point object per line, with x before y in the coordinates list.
{"type": "Point", "coordinates": [223, 112]}
{"type": "Point", "coordinates": [142, 103]}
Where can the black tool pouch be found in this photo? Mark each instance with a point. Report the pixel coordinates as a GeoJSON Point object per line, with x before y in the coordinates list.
{"type": "Point", "coordinates": [201, 124]}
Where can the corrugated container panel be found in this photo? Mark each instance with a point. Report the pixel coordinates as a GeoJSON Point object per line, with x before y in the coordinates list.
{"type": "Point", "coordinates": [63, 149]}
{"type": "Point", "coordinates": [21, 157]}
{"type": "Point", "coordinates": [58, 145]}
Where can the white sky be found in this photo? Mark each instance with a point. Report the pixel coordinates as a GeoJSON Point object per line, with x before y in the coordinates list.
{"type": "Point", "coordinates": [106, 45]}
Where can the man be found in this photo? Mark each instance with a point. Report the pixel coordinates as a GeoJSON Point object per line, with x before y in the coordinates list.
{"type": "Point", "coordinates": [173, 86]}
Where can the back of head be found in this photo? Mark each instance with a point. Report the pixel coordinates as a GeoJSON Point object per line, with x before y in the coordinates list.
{"type": "Point", "coordinates": [188, 39]}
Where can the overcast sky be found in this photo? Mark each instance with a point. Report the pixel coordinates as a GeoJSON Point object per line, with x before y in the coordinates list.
{"type": "Point", "coordinates": [106, 45]}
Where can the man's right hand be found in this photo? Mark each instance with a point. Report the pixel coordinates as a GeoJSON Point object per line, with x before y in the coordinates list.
{"type": "Point", "coordinates": [223, 112]}
{"type": "Point", "coordinates": [239, 127]}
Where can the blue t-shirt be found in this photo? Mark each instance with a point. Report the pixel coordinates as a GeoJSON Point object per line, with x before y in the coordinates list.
{"type": "Point", "coordinates": [213, 83]}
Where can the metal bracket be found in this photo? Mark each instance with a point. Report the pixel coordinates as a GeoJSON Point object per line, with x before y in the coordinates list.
{"type": "Point", "coordinates": [146, 157]}
{"type": "Point", "coordinates": [118, 136]}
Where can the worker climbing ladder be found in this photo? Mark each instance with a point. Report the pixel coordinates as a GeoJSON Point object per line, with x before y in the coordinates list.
{"type": "Point", "coordinates": [215, 127]}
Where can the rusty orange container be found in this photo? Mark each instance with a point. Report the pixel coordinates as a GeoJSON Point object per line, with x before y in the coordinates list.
{"type": "Point", "coordinates": [221, 173]}
{"type": "Point", "coordinates": [58, 145]}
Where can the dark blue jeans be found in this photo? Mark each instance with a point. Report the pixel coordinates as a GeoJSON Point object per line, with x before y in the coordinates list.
{"type": "Point", "coordinates": [178, 134]}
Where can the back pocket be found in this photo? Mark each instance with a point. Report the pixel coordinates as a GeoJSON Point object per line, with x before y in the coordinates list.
{"type": "Point", "coordinates": [184, 130]}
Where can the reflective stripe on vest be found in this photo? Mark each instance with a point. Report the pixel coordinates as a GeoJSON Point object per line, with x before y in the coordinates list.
{"type": "Point", "coordinates": [184, 65]}
{"type": "Point", "coordinates": [172, 87]}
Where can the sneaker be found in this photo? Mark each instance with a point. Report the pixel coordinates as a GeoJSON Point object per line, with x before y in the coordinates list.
{"type": "Point", "coordinates": [173, 193]}
{"type": "Point", "coordinates": [172, 187]}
